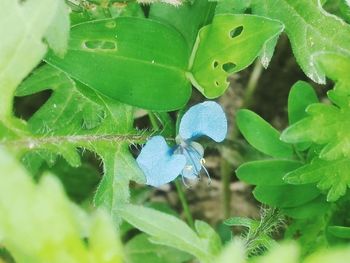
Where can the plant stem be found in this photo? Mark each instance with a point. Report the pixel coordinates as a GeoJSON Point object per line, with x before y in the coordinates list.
{"type": "Point", "coordinates": [225, 166]}
{"type": "Point", "coordinates": [184, 203]}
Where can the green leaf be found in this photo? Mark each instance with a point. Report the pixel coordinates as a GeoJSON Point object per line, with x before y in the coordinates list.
{"type": "Point", "coordinates": [315, 208]}
{"type": "Point", "coordinates": [140, 249]}
{"type": "Point", "coordinates": [232, 6]}
{"type": "Point", "coordinates": [261, 135]}
{"type": "Point", "coordinates": [300, 97]}
{"type": "Point", "coordinates": [53, 227]}
{"type": "Point", "coordinates": [329, 175]}
{"type": "Point", "coordinates": [235, 249]}
{"type": "Point", "coordinates": [241, 221]}
{"type": "Point", "coordinates": [62, 131]}
{"type": "Point", "coordinates": [209, 236]}
{"type": "Point", "coordinates": [266, 172]}
{"type": "Point", "coordinates": [121, 53]}
{"type": "Point", "coordinates": [229, 44]}
{"type": "Point", "coordinates": [285, 195]}
{"type": "Point", "coordinates": [336, 67]}
{"type": "Point", "coordinates": [187, 18]}
{"type": "Point", "coordinates": [22, 28]}
{"type": "Point", "coordinates": [339, 231]}
{"type": "Point", "coordinates": [67, 104]}
{"type": "Point", "coordinates": [168, 230]}
{"type": "Point", "coordinates": [310, 30]}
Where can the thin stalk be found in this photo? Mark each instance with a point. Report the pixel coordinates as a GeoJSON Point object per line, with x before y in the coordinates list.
{"type": "Point", "coordinates": [225, 166]}
{"type": "Point", "coordinates": [184, 203]}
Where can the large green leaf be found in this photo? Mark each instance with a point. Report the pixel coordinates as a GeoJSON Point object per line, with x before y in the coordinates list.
{"type": "Point", "coordinates": [230, 44]}
{"type": "Point", "coordinates": [261, 135]}
{"type": "Point", "coordinates": [136, 61]}
{"type": "Point", "coordinates": [310, 30]}
{"type": "Point", "coordinates": [23, 26]}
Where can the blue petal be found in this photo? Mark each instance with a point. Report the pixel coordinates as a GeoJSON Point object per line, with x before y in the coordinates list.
{"type": "Point", "coordinates": [158, 162]}
{"type": "Point", "coordinates": [206, 118]}
{"type": "Point", "coordinates": [194, 153]}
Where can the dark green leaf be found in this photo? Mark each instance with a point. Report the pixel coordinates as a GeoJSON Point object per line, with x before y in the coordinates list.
{"type": "Point", "coordinates": [286, 195]}
{"type": "Point", "coordinates": [116, 56]}
{"type": "Point", "coordinates": [266, 172]}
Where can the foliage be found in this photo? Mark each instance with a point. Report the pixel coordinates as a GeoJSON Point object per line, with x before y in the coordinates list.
{"type": "Point", "coordinates": [98, 65]}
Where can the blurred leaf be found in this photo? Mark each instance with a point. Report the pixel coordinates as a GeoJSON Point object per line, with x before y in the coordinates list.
{"type": "Point", "coordinates": [339, 231]}
{"type": "Point", "coordinates": [208, 235]}
{"type": "Point", "coordinates": [140, 249]}
{"type": "Point", "coordinates": [22, 28]}
{"type": "Point", "coordinates": [266, 172]}
{"type": "Point", "coordinates": [261, 135]}
{"type": "Point", "coordinates": [119, 61]}
{"type": "Point", "coordinates": [169, 231]}
{"type": "Point", "coordinates": [187, 18]}
{"type": "Point", "coordinates": [285, 195]}
{"type": "Point", "coordinates": [233, 250]}
{"type": "Point", "coordinates": [329, 175]}
{"type": "Point", "coordinates": [39, 224]}
{"type": "Point", "coordinates": [226, 46]}
{"type": "Point", "coordinates": [241, 221]}
{"type": "Point", "coordinates": [309, 29]}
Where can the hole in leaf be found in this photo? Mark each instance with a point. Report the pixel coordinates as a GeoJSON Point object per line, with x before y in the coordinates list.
{"type": "Point", "coordinates": [111, 24]}
{"type": "Point", "coordinates": [236, 31]}
{"type": "Point", "coordinates": [216, 84]}
{"type": "Point", "coordinates": [215, 64]}
{"type": "Point", "coordinates": [93, 44]}
{"type": "Point", "coordinates": [100, 44]}
{"type": "Point", "coordinates": [108, 45]}
{"type": "Point", "coordinates": [229, 67]}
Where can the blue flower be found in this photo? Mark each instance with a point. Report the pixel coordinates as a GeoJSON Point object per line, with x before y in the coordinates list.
{"type": "Point", "coordinates": [161, 164]}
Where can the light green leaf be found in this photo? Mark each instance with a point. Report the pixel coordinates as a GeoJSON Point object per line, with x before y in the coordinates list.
{"type": "Point", "coordinates": [300, 97]}
{"type": "Point", "coordinates": [329, 175]}
{"type": "Point", "coordinates": [209, 236]}
{"type": "Point", "coordinates": [266, 172]}
{"type": "Point", "coordinates": [241, 221]}
{"type": "Point", "coordinates": [261, 135]}
{"type": "Point", "coordinates": [231, 6]}
{"type": "Point", "coordinates": [310, 30]}
{"type": "Point", "coordinates": [23, 25]}
{"type": "Point", "coordinates": [140, 249]}
{"type": "Point", "coordinates": [235, 249]}
{"type": "Point", "coordinates": [336, 67]}
{"type": "Point", "coordinates": [326, 124]}
{"type": "Point", "coordinates": [39, 224]}
{"type": "Point", "coordinates": [167, 230]}
{"type": "Point", "coordinates": [104, 55]}
{"type": "Point", "coordinates": [229, 44]}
